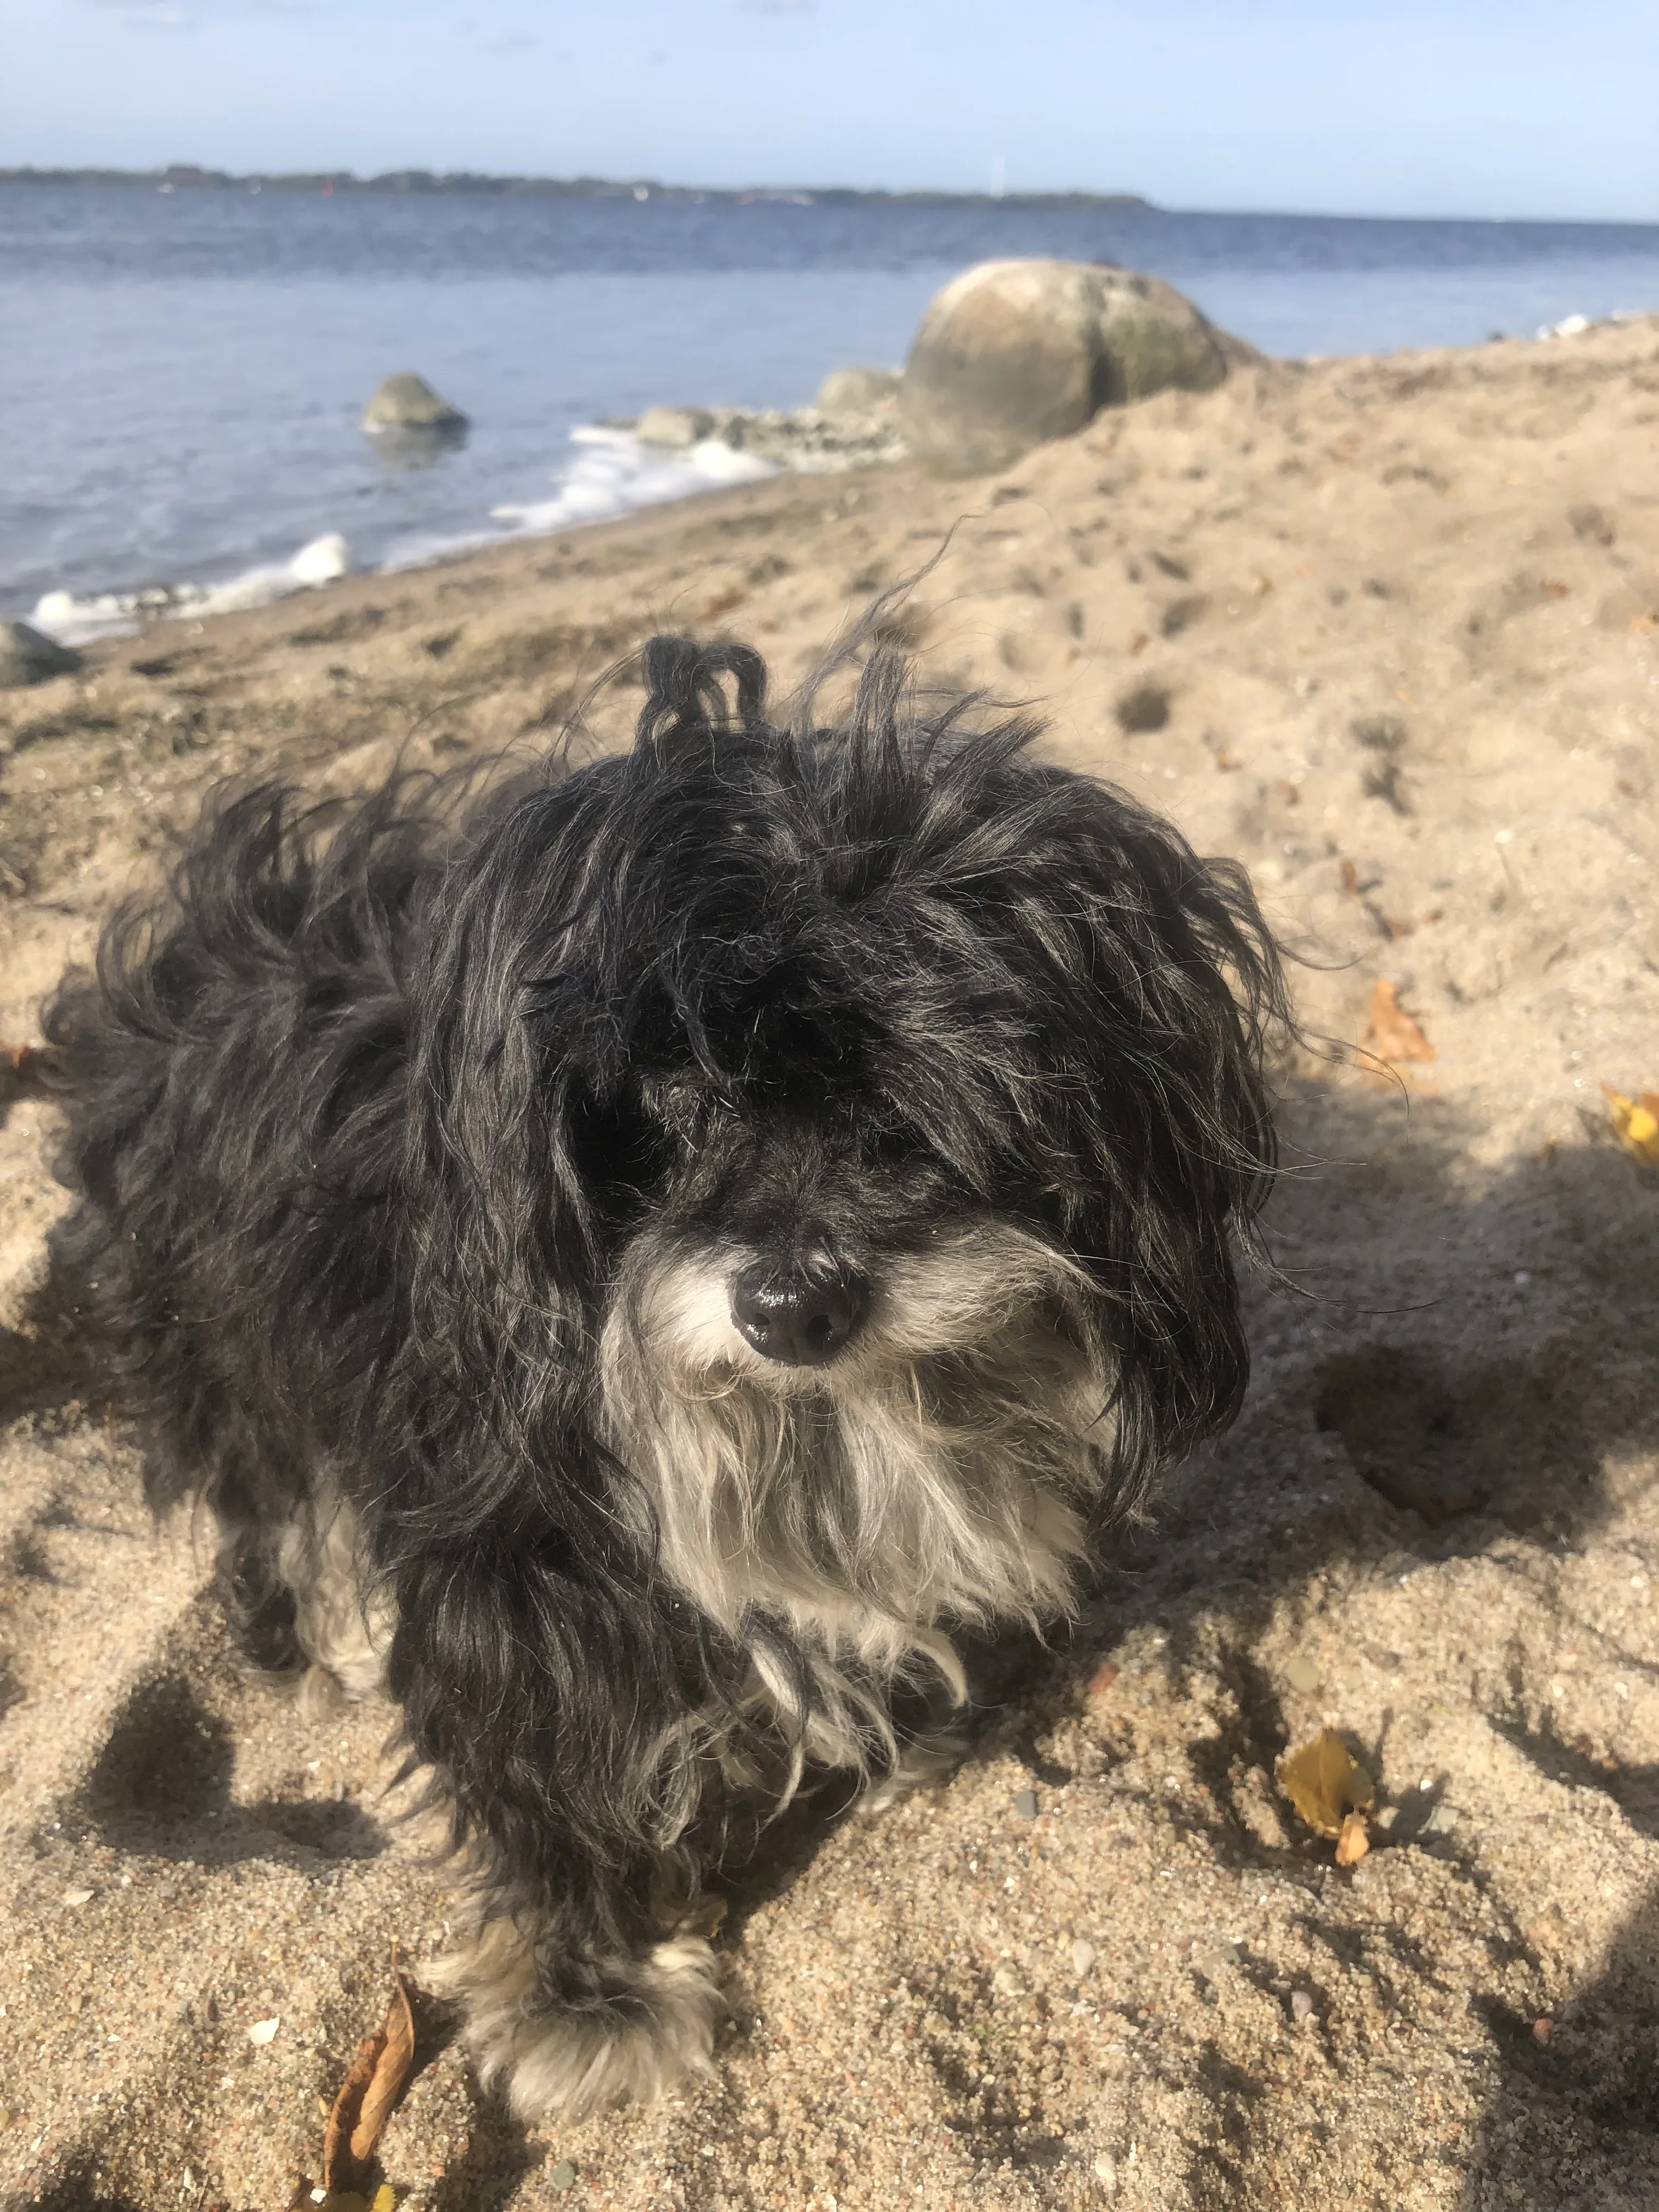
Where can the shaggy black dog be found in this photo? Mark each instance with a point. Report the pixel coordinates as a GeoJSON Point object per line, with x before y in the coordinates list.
{"type": "Point", "coordinates": [638, 1259]}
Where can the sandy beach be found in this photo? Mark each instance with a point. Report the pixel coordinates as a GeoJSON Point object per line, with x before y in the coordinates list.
{"type": "Point", "coordinates": [1386, 630]}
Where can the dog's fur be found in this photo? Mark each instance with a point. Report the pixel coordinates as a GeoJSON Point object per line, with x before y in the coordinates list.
{"type": "Point", "coordinates": [421, 1141]}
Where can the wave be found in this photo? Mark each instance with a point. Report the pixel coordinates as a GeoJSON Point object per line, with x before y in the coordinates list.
{"type": "Point", "coordinates": [613, 474]}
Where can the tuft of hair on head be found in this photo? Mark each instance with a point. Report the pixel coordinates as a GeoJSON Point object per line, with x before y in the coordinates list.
{"type": "Point", "coordinates": [686, 696]}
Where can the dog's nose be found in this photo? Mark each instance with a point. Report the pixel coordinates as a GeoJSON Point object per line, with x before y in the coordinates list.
{"type": "Point", "coordinates": [800, 1315]}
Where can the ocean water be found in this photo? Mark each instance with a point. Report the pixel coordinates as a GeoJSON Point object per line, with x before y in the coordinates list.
{"type": "Point", "coordinates": [183, 373]}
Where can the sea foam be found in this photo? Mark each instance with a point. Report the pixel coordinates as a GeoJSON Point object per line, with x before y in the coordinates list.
{"type": "Point", "coordinates": [60, 615]}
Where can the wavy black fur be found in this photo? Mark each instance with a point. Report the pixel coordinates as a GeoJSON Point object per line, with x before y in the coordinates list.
{"type": "Point", "coordinates": [368, 1112]}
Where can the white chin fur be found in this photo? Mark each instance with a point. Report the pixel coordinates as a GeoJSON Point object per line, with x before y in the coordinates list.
{"type": "Point", "coordinates": [938, 1469]}
{"type": "Point", "coordinates": [568, 2061]}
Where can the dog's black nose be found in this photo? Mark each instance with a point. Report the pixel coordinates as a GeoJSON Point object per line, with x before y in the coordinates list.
{"type": "Point", "coordinates": [802, 1315]}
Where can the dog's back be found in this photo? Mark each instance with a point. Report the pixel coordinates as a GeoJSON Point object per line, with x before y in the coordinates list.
{"type": "Point", "coordinates": [232, 1079]}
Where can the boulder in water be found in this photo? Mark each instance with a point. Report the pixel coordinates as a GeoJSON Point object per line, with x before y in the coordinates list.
{"type": "Point", "coordinates": [1013, 353]}
{"type": "Point", "coordinates": [407, 403]}
{"type": "Point", "coordinates": [28, 656]}
{"type": "Point", "coordinates": [856, 391]}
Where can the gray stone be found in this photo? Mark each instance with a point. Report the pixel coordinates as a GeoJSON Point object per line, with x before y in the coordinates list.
{"type": "Point", "coordinates": [27, 657]}
{"type": "Point", "coordinates": [856, 391]}
{"type": "Point", "coordinates": [409, 403]}
{"type": "Point", "coordinates": [1014, 353]}
{"type": "Point", "coordinates": [677, 427]}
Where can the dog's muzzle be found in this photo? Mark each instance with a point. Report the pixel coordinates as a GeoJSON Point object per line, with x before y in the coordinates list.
{"type": "Point", "coordinates": [801, 1314]}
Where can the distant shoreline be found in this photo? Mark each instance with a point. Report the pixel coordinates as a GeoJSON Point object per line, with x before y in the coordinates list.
{"type": "Point", "coordinates": [427, 183]}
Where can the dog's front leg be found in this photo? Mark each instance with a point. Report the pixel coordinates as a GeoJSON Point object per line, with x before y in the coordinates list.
{"type": "Point", "coordinates": [567, 2011]}
{"type": "Point", "coordinates": [571, 1773]}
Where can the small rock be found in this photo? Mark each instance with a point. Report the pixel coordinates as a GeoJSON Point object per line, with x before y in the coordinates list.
{"type": "Point", "coordinates": [677, 427]}
{"type": "Point", "coordinates": [28, 656]}
{"type": "Point", "coordinates": [1302, 2005]}
{"type": "Point", "coordinates": [856, 391]}
{"type": "Point", "coordinates": [1026, 1804]}
{"type": "Point", "coordinates": [1543, 2029]}
{"type": "Point", "coordinates": [1083, 1957]}
{"type": "Point", "coordinates": [1106, 2173]}
{"type": "Point", "coordinates": [1441, 1821]}
{"type": "Point", "coordinates": [77, 1898]}
{"type": "Point", "coordinates": [563, 2177]}
{"type": "Point", "coordinates": [1302, 1674]}
{"type": "Point", "coordinates": [1007, 1983]}
{"type": "Point", "coordinates": [409, 403]}
{"type": "Point", "coordinates": [263, 2031]}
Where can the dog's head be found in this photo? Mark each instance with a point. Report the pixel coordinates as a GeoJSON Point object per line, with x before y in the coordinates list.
{"type": "Point", "coordinates": [844, 1131]}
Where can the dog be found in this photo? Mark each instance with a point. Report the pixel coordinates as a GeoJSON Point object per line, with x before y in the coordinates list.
{"type": "Point", "coordinates": [642, 1260]}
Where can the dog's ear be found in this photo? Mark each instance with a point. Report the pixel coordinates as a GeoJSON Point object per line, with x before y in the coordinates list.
{"type": "Point", "coordinates": [497, 1217]}
{"type": "Point", "coordinates": [1156, 989]}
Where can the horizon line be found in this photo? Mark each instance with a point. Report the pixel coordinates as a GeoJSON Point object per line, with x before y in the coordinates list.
{"type": "Point", "coordinates": [413, 181]}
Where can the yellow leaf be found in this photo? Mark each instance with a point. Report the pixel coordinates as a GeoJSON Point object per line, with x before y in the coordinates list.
{"type": "Point", "coordinates": [1636, 1123]}
{"type": "Point", "coordinates": [1324, 1783]}
{"type": "Point", "coordinates": [1354, 1841]}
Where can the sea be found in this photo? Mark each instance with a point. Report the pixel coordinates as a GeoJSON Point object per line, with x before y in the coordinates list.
{"type": "Point", "coordinates": [184, 372]}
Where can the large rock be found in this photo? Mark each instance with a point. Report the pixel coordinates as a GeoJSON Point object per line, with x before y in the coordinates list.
{"type": "Point", "coordinates": [1013, 353]}
{"type": "Point", "coordinates": [856, 391]}
{"type": "Point", "coordinates": [28, 657]}
{"type": "Point", "coordinates": [409, 403]}
{"type": "Point", "coordinates": [675, 429]}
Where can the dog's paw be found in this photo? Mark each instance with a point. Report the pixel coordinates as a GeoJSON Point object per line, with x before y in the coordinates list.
{"type": "Point", "coordinates": [651, 2029]}
{"type": "Point", "coordinates": [926, 1765]}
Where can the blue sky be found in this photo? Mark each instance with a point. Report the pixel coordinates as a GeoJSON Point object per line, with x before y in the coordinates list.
{"type": "Point", "coordinates": [1380, 106]}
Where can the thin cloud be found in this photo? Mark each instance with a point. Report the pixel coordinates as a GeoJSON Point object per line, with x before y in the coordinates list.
{"type": "Point", "coordinates": [509, 39]}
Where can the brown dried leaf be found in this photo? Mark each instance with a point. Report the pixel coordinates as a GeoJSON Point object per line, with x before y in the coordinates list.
{"type": "Point", "coordinates": [1324, 1782]}
{"type": "Point", "coordinates": [368, 2092]}
{"type": "Point", "coordinates": [1390, 1030]}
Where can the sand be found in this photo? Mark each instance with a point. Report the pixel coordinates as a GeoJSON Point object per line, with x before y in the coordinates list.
{"type": "Point", "coordinates": [1387, 631]}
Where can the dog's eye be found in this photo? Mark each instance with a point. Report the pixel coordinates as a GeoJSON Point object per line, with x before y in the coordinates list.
{"type": "Point", "coordinates": [622, 1149]}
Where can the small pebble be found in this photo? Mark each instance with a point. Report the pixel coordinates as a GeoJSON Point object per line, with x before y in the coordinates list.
{"type": "Point", "coordinates": [262, 2031]}
{"type": "Point", "coordinates": [1026, 1804]}
{"type": "Point", "coordinates": [78, 1897]}
{"type": "Point", "coordinates": [563, 2177]}
{"type": "Point", "coordinates": [1302, 1674]}
{"type": "Point", "coordinates": [1302, 2005]}
{"type": "Point", "coordinates": [1083, 1957]}
{"type": "Point", "coordinates": [1541, 2029]}
{"type": "Point", "coordinates": [1106, 2173]}
{"type": "Point", "coordinates": [1007, 1983]}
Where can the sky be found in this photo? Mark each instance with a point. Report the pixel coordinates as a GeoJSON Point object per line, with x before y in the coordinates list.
{"type": "Point", "coordinates": [1448, 107]}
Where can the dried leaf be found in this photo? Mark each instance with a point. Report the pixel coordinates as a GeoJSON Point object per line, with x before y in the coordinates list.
{"type": "Point", "coordinates": [1391, 1029]}
{"type": "Point", "coordinates": [1324, 1783]}
{"type": "Point", "coordinates": [368, 2092]}
{"type": "Point", "coordinates": [1636, 1122]}
{"type": "Point", "coordinates": [1354, 1841]}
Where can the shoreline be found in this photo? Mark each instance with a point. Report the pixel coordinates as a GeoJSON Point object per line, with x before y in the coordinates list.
{"type": "Point", "coordinates": [612, 474]}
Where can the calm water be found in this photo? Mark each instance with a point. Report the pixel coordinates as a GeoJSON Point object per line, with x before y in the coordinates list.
{"type": "Point", "coordinates": [182, 373]}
